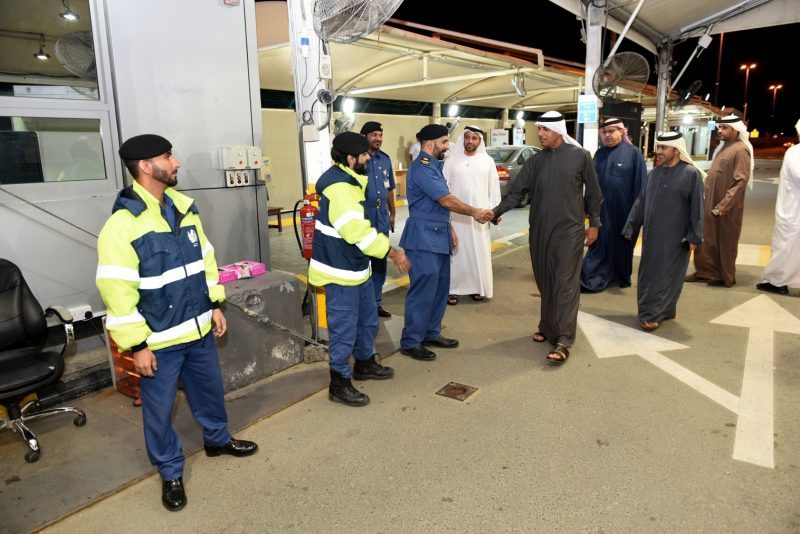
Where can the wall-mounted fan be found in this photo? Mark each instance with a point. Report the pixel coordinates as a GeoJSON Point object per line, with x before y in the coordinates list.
{"type": "Point", "coordinates": [75, 51]}
{"type": "Point", "coordinates": [345, 21]}
{"type": "Point", "coordinates": [686, 95]}
{"type": "Point", "coordinates": [625, 70]}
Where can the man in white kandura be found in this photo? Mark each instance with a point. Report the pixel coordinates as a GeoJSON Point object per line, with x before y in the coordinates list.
{"type": "Point", "coordinates": [783, 269]}
{"type": "Point", "coordinates": [471, 175]}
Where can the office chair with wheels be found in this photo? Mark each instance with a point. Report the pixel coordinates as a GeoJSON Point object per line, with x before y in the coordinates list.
{"type": "Point", "coordinates": [26, 365]}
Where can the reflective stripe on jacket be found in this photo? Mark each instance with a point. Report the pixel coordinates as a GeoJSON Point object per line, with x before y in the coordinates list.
{"type": "Point", "coordinates": [344, 239]}
{"type": "Point", "coordinates": [158, 285]}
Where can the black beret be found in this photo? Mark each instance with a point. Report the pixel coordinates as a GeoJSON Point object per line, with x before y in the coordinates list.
{"type": "Point", "coordinates": [432, 132]}
{"type": "Point", "coordinates": [371, 126]}
{"type": "Point", "coordinates": [350, 143]}
{"type": "Point", "coordinates": [144, 147]}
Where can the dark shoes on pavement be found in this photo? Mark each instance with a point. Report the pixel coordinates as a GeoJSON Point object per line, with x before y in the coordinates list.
{"type": "Point", "coordinates": [371, 370]}
{"type": "Point", "coordinates": [173, 496]}
{"type": "Point", "coordinates": [342, 390]}
{"type": "Point", "coordinates": [235, 447]}
{"type": "Point", "coordinates": [766, 286]}
{"type": "Point", "coordinates": [383, 312]}
{"type": "Point", "coordinates": [441, 342]}
{"type": "Point", "coordinates": [420, 353]}
{"type": "Point", "coordinates": [694, 278]}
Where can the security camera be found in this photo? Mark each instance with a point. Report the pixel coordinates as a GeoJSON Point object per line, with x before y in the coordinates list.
{"type": "Point", "coordinates": [326, 96]}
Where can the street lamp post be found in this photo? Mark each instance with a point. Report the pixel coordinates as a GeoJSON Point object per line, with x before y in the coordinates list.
{"type": "Point", "coordinates": [746, 69]}
{"type": "Point", "coordinates": [774, 89]}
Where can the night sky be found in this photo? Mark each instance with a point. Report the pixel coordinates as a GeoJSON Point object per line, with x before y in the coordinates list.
{"type": "Point", "coordinates": [544, 25]}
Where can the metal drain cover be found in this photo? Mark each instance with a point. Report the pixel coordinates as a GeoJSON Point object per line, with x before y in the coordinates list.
{"type": "Point", "coordinates": [457, 391]}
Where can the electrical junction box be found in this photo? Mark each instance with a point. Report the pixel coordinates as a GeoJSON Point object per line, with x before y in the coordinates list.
{"type": "Point", "coordinates": [233, 157]}
{"type": "Point", "coordinates": [325, 67]}
{"type": "Point", "coordinates": [265, 173]}
{"type": "Point", "coordinates": [241, 178]}
{"type": "Point", "coordinates": [254, 159]}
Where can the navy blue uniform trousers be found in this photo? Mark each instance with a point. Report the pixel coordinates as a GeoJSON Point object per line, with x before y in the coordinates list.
{"type": "Point", "coordinates": [427, 297]}
{"type": "Point", "coordinates": [352, 324]}
{"type": "Point", "coordinates": [197, 366]}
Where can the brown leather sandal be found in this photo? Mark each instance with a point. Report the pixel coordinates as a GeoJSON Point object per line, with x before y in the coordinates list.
{"type": "Point", "coordinates": [559, 354]}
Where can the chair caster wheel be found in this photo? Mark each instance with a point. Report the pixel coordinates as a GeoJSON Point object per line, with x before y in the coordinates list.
{"type": "Point", "coordinates": [80, 420]}
{"type": "Point", "coordinates": [32, 456]}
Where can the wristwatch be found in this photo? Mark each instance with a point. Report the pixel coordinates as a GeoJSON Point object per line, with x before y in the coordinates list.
{"type": "Point", "coordinates": [715, 212]}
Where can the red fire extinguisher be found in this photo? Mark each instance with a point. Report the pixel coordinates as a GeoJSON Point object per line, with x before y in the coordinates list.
{"type": "Point", "coordinates": [308, 218]}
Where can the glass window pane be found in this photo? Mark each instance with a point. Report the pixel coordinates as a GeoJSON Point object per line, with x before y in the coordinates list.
{"type": "Point", "coordinates": [47, 149]}
{"type": "Point", "coordinates": [47, 50]}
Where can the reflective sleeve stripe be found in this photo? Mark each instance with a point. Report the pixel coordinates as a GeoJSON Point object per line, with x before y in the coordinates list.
{"type": "Point", "coordinates": [327, 230]}
{"type": "Point", "coordinates": [207, 249]}
{"type": "Point", "coordinates": [172, 275]}
{"type": "Point", "coordinates": [177, 331]}
{"type": "Point", "coordinates": [367, 241]}
{"type": "Point", "coordinates": [112, 321]}
{"type": "Point", "coordinates": [339, 273]}
{"type": "Point", "coordinates": [211, 283]}
{"type": "Point", "coordinates": [116, 272]}
{"type": "Point", "coordinates": [346, 218]}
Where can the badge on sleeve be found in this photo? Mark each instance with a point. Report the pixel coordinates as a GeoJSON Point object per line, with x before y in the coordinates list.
{"type": "Point", "coordinates": [425, 160]}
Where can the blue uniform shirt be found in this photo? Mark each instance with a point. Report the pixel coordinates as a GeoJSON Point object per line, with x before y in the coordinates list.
{"type": "Point", "coordinates": [381, 180]}
{"type": "Point", "coordinates": [428, 224]}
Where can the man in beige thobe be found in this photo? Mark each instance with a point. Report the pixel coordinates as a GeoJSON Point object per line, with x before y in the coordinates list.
{"type": "Point", "coordinates": [731, 169]}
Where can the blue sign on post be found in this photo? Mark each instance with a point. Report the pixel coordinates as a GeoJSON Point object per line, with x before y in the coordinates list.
{"type": "Point", "coordinates": [587, 109]}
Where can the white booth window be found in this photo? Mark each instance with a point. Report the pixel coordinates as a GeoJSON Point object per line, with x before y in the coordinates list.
{"type": "Point", "coordinates": [50, 149]}
{"type": "Point", "coordinates": [47, 50]}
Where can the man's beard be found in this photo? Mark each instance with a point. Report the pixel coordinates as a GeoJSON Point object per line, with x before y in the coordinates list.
{"type": "Point", "coordinates": [164, 177]}
{"type": "Point", "coordinates": [360, 168]}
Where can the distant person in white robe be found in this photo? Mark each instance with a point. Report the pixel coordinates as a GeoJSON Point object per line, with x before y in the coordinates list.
{"type": "Point", "coordinates": [783, 269]}
{"type": "Point", "coordinates": [471, 175]}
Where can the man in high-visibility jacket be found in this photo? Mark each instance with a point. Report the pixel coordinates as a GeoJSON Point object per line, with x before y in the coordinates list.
{"type": "Point", "coordinates": [158, 278]}
{"type": "Point", "coordinates": [344, 242]}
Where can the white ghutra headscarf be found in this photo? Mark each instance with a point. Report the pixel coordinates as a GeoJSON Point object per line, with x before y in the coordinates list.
{"type": "Point", "coordinates": [736, 123]}
{"type": "Point", "coordinates": [458, 148]}
{"type": "Point", "coordinates": [553, 120]}
{"type": "Point", "coordinates": [675, 140]}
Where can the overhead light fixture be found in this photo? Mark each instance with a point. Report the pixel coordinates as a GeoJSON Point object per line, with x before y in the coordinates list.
{"type": "Point", "coordinates": [348, 106]}
{"type": "Point", "coordinates": [68, 14]}
{"type": "Point", "coordinates": [520, 115]}
{"type": "Point", "coordinates": [452, 110]}
{"type": "Point", "coordinates": [41, 54]}
{"type": "Point", "coordinates": [518, 83]}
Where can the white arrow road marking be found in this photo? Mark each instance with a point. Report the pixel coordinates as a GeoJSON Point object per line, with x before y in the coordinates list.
{"type": "Point", "coordinates": [754, 430]}
{"type": "Point", "coordinates": [610, 339]}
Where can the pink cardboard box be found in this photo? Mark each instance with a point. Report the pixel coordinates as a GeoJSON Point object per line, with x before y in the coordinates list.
{"type": "Point", "coordinates": [227, 273]}
{"type": "Point", "coordinates": [253, 267]}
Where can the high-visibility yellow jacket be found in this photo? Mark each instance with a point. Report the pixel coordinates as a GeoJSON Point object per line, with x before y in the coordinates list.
{"type": "Point", "coordinates": [159, 286]}
{"type": "Point", "coordinates": [344, 238]}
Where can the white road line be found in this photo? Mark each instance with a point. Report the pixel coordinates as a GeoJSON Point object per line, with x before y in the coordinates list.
{"type": "Point", "coordinates": [754, 430]}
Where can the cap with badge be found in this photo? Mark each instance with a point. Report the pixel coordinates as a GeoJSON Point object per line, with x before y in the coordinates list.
{"type": "Point", "coordinates": [432, 132]}
{"type": "Point", "coordinates": [351, 143]}
{"type": "Point", "coordinates": [144, 146]}
{"type": "Point", "coordinates": [371, 126]}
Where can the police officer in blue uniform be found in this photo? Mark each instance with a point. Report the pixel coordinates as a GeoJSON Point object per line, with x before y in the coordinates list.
{"type": "Point", "coordinates": [428, 239]}
{"type": "Point", "coordinates": [380, 201]}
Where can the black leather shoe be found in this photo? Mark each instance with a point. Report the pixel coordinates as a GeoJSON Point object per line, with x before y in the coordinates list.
{"type": "Point", "coordinates": [383, 312]}
{"type": "Point", "coordinates": [371, 370]}
{"type": "Point", "coordinates": [441, 342]}
{"type": "Point", "coordinates": [235, 447]}
{"type": "Point", "coordinates": [766, 286]}
{"type": "Point", "coordinates": [173, 496]}
{"type": "Point", "coordinates": [420, 353]}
